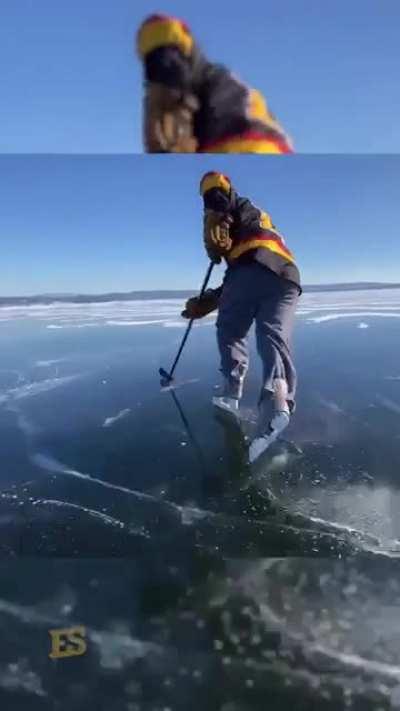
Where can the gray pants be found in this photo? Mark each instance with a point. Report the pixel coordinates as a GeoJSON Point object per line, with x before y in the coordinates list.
{"type": "Point", "coordinates": [252, 292]}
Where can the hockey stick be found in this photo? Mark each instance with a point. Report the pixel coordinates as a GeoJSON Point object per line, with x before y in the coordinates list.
{"type": "Point", "coordinates": [167, 378]}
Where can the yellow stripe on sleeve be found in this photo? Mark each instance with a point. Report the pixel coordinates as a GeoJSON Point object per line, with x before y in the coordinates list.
{"type": "Point", "coordinates": [270, 244]}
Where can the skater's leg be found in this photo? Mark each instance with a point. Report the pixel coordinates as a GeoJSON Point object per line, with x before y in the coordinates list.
{"type": "Point", "coordinates": [274, 325]}
{"type": "Point", "coordinates": [236, 312]}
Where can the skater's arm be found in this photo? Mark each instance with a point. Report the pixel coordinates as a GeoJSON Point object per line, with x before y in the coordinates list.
{"type": "Point", "coordinates": [218, 290]}
{"type": "Point", "coordinates": [197, 307]}
{"type": "Point", "coordinates": [165, 48]}
{"type": "Point", "coordinates": [235, 118]}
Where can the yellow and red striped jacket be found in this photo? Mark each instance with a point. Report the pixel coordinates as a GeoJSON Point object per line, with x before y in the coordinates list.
{"type": "Point", "coordinates": [256, 238]}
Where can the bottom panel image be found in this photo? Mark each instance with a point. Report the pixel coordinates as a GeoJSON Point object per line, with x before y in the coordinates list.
{"type": "Point", "coordinates": [199, 433]}
{"type": "Point", "coordinates": [239, 634]}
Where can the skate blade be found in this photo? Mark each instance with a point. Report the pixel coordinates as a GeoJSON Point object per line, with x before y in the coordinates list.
{"type": "Point", "coordinates": [260, 445]}
{"type": "Point", "coordinates": [225, 409]}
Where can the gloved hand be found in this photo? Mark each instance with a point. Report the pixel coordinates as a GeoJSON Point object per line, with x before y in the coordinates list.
{"type": "Point", "coordinates": [216, 235]}
{"type": "Point", "coordinates": [197, 306]}
{"type": "Point", "coordinates": [168, 120]}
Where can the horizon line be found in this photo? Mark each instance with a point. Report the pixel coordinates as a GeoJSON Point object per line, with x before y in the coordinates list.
{"type": "Point", "coordinates": [64, 295]}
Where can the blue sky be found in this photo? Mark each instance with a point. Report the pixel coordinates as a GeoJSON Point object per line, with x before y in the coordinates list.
{"type": "Point", "coordinates": [70, 81]}
{"type": "Point", "coordinates": [100, 223]}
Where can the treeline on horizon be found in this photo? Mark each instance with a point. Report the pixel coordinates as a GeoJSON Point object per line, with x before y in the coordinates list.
{"type": "Point", "coordinates": [46, 299]}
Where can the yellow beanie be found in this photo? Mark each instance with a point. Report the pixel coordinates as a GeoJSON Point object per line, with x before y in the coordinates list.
{"type": "Point", "coordinates": [163, 31]}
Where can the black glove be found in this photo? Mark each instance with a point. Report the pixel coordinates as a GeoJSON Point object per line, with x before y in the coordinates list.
{"type": "Point", "coordinates": [199, 306]}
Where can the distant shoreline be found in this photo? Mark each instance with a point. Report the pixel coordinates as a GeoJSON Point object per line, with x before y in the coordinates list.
{"type": "Point", "coordinates": [48, 299]}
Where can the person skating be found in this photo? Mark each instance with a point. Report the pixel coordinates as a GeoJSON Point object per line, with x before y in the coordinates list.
{"type": "Point", "coordinates": [192, 105]}
{"type": "Point", "coordinates": [261, 285]}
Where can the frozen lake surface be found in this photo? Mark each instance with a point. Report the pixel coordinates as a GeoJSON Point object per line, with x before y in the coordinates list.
{"type": "Point", "coordinates": [177, 548]}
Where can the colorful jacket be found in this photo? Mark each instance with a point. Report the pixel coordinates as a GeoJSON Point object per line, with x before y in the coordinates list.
{"type": "Point", "coordinates": [256, 238]}
{"type": "Point", "coordinates": [254, 235]}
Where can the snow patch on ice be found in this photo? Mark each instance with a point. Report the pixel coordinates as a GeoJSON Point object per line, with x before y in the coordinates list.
{"type": "Point", "coordinates": [135, 323]}
{"type": "Point", "coordinates": [175, 324]}
{"type": "Point", "coordinates": [109, 421]}
{"type": "Point", "coordinates": [93, 513]}
{"type": "Point", "coordinates": [117, 650]}
{"type": "Point", "coordinates": [352, 314]}
{"type": "Point", "coordinates": [28, 428]}
{"type": "Point", "coordinates": [188, 514]}
{"type": "Point", "coordinates": [332, 406]}
{"type": "Point", "coordinates": [166, 312]}
{"type": "Point", "coordinates": [17, 676]}
{"type": "Point", "coordinates": [48, 363]}
{"type": "Point", "coordinates": [48, 463]}
{"type": "Point", "coordinates": [36, 388]}
{"type": "Point", "coordinates": [73, 325]}
{"type": "Point", "coordinates": [389, 404]}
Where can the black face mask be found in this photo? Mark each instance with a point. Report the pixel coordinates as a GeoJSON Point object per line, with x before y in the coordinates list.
{"type": "Point", "coordinates": [168, 66]}
{"type": "Point", "coordinates": [219, 201]}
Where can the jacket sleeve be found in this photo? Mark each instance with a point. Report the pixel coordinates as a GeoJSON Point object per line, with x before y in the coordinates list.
{"type": "Point", "coordinates": [218, 290]}
{"type": "Point", "coordinates": [235, 117]}
{"type": "Point", "coordinates": [248, 218]}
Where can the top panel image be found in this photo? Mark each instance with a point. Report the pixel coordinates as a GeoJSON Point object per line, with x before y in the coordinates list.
{"type": "Point", "coordinates": [273, 78]}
